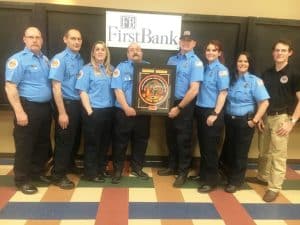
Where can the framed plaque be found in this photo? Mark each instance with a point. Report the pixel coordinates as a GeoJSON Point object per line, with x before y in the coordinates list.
{"type": "Point", "coordinates": [153, 89]}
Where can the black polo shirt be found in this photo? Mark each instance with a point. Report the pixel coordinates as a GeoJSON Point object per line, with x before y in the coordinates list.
{"type": "Point", "coordinates": [282, 87]}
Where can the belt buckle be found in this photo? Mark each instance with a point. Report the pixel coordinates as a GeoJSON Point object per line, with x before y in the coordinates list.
{"type": "Point", "coordinates": [233, 117]}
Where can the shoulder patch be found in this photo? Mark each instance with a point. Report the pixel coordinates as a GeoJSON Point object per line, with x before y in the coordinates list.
{"type": "Point", "coordinates": [80, 74]}
{"type": "Point", "coordinates": [223, 73]}
{"type": "Point", "coordinates": [260, 82]}
{"type": "Point", "coordinates": [55, 63]}
{"type": "Point", "coordinates": [198, 63]}
{"type": "Point", "coordinates": [116, 73]}
{"type": "Point", "coordinates": [12, 64]}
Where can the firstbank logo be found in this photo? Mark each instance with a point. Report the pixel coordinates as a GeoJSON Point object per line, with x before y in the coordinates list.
{"type": "Point", "coordinates": [128, 22]}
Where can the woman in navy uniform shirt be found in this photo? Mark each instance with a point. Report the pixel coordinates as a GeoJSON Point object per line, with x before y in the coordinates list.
{"type": "Point", "coordinates": [209, 113]}
{"type": "Point", "coordinates": [247, 102]}
{"type": "Point", "coordinates": [97, 98]}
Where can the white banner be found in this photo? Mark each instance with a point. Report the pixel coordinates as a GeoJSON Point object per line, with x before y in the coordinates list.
{"type": "Point", "coordinates": [151, 31]}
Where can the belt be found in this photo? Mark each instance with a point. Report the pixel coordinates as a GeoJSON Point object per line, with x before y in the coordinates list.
{"type": "Point", "coordinates": [277, 112]}
{"type": "Point", "coordinates": [248, 116]}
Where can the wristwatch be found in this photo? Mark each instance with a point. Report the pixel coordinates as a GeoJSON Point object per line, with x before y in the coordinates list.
{"type": "Point", "coordinates": [294, 121]}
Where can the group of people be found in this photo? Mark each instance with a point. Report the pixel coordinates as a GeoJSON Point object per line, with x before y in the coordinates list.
{"type": "Point", "coordinates": [100, 97]}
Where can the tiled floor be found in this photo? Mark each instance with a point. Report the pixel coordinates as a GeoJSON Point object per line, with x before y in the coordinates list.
{"type": "Point", "coordinates": [151, 202]}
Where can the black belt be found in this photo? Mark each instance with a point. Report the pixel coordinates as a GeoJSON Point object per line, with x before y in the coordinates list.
{"type": "Point", "coordinates": [248, 116]}
{"type": "Point", "coordinates": [277, 112]}
{"type": "Point", "coordinates": [25, 101]}
{"type": "Point", "coordinates": [69, 101]}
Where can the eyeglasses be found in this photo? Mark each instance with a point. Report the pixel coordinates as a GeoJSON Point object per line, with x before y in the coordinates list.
{"type": "Point", "coordinates": [33, 37]}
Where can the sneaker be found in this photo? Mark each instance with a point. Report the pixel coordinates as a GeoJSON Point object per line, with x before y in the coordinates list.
{"type": "Point", "coordinates": [166, 172]}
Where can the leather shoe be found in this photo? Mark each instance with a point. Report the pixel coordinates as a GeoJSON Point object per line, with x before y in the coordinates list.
{"type": "Point", "coordinates": [42, 178]}
{"type": "Point", "coordinates": [180, 180]}
{"type": "Point", "coordinates": [116, 178]}
{"type": "Point", "coordinates": [75, 170]}
{"type": "Point", "coordinates": [105, 174]}
{"type": "Point", "coordinates": [64, 183]}
{"type": "Point", "coordinates": [255, 180]}
{"type": "Point", "coordinates": [205, 188]}
{"type": "Point", "coordinates": [230, 188]}
{"type": "Point", "coordinates": [270, 196]}
{"type": "Point", "coordinates": [166, 172]}
{"type": "Point", "coordinates": [140, 174]}
{"type": "Point", "coordinates": [27, 189]}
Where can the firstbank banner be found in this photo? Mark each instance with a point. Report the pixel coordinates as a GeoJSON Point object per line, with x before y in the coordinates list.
{"type": "Point", "coordinates": [151, 31]}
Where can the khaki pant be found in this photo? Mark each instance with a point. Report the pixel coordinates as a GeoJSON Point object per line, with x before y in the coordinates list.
{"type": "Point", "coordinates": [272, 153]}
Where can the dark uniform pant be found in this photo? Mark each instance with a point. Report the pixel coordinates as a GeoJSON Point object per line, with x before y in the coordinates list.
{"type": "Point", "coordinates": [134, 129]}
{"type": "Point", "coordinates": [209, 138]}
{"type": "Point", "coordinates": [97, 129]}
{"type": "Point", "coordinates": [66, 139]}
{"type": "Point", "coordinates": [32, 142]}
{"type": "Point", "coordinates": [179, 139]}
{"type": "Point", "coordinates": [234, 156]}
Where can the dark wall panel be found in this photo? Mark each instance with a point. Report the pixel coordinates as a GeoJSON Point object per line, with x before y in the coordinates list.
{"type": "Point", "coordinates": [13, 21]}
{"type": "Point", "coordinates": [236, 33]}
{"type": "Point", "coordinates": [264, 32]}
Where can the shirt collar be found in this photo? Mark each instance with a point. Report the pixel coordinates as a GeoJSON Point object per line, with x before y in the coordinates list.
{"type": "Point", "coordinates": [28, 51]}
{"type": "Point", "coordinates": [72, 54]}
{"type": "Point", "coordinates": [189, 54]}
{"type": "Point", "coordinates": [213, 64]}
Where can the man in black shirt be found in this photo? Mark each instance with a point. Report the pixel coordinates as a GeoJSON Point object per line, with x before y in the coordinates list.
{"type": "Point", "coordinates": [283, 85]}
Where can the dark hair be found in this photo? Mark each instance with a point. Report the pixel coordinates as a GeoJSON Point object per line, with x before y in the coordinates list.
{"type": "Point", "coordinates": [219, 46]}
{"type": "Point", "coordinates": [285, 42]}
{"type": "Point", "coordinates": [233, 74]}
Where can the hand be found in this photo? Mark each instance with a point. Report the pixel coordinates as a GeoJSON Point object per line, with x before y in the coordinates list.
{"type": "Point", "coordinates": [285, 128]}
{"type": "Point", "coordinates": [251, 123]}
{"type": "Point", "coordinates": [174, 112]}
{"type": "Point", "coordinates": [63, 120]}
{"type": "Point", "coordinates": [130, 111]}
{"type": "Point", "coordinates": [261, 125]}
{"type": "Point", "coordinates": [211, 119]}
{"type": "Point", "coordinates": [22, 119]}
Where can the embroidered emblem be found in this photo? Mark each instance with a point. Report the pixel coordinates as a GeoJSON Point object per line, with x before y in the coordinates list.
{"type": "Point", "coordinates": [12, 64]}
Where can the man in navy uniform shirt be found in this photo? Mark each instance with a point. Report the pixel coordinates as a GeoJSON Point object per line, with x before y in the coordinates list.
{"type": "Point", "coordinates": [29, 93]}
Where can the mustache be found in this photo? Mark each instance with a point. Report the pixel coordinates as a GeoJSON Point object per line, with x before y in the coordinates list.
{"type": "Point", "coordinates": [135, 54]}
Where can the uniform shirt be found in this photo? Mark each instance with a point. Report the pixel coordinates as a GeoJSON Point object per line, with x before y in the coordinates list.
{"type": "Point", "coordinates": [244, 94]}
{"type": "Point", "coordinates": [282, 87]}
{"type": "Point", "coordinates": [65, 67]}
{"type": "Point", "coordinates": [216, 79]}
{"type": "Point", "coordinates": [123, 79]}
{"type": "Point", "coordinates": [30, 73]}
{"type": "Point", "coordinates": [96, 85]}
{"type": "Point", "coordinates": [189, 68]}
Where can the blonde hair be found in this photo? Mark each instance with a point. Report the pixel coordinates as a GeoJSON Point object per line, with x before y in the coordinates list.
{"type": "Point", "coordinates": [106, 62]}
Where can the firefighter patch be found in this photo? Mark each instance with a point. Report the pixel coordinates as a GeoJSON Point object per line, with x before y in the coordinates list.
{"type": "Point", "coordinates": [116, 73]}
{"type": "Point", "coordinates": [12, 64]}
{"type": "Point", "coordinates": [80, 75]}
{"type": "Point", "coordinates": [55, 63]}
{"type": "Point", "coordinates": [198, 64]}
